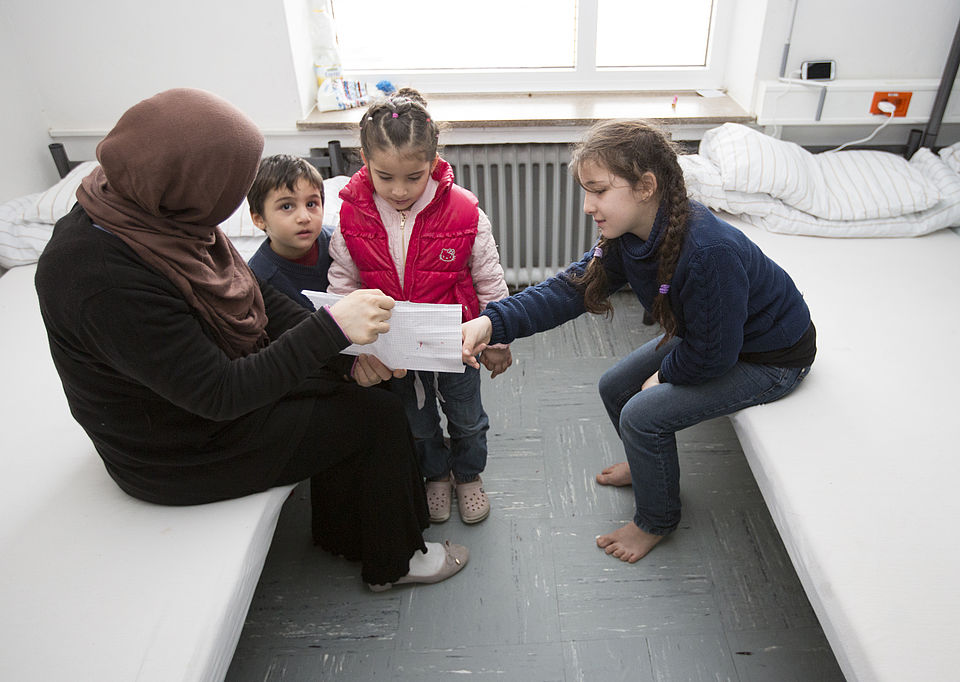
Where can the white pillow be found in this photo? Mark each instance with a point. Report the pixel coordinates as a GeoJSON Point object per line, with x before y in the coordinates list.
{"type": "Point", "coordinates": [779, 217]}
{"type": "Point", "coordinates": [240, 224]}
{"type": "Point", "coordinates": [951, 156]}
{"type": "Point", "coordinates": [57, 201]}
{"type": "Point", "coordinates": [863, 184]}
{"type": "Point", "coordinates": [21, 241]}
{"type": "Point", "coordinates": [854, 185]}
{"type": "Point", "coordinates": [331, 199]}
{"type": "Point", "coordinates": [703, 181]}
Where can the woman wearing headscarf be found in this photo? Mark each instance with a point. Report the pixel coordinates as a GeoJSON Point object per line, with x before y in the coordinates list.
{"type": "Point", "coordinates": [196, 382]}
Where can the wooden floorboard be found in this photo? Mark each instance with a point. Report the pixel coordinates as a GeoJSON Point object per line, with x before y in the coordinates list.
{"type": "Point", "coordinates": [717, 600]}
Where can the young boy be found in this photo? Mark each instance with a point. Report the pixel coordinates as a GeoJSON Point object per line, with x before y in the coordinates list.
{"type": "Point", "coordinates": [286, 202]}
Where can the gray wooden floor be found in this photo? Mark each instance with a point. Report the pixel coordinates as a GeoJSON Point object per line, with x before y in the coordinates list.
{"type": "Point", "coordinates": [717, 600]}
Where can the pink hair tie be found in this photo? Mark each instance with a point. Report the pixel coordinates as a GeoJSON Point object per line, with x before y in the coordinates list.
{"type": "Point", "coordinates": [664, 288]}
{"type": "Point", "coordinates": [597, 252]}
{"type": "Point", "coordinates": [395, 114]}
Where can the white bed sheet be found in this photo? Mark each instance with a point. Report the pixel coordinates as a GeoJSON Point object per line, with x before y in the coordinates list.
{"type": "Point", "coordinates": [782, 188]}
{"type": "Point", "coordinates": [94, 584]}
{"type": "Point", "coordinates": [21, 240]}
{"type": "Point", "coordinates": [859, 466]}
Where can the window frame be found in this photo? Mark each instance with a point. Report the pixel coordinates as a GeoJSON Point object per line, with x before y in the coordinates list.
{"type": "Point", "coordinates": [585, 76]}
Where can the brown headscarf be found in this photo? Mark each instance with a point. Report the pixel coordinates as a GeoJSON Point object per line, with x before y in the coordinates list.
{"type": "Point", "coordinates": [174, 167]}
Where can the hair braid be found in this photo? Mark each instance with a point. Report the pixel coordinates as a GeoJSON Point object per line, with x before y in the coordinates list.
{"type": "Point", "coordinates": [668, 253]}
{"type": "Point", "coordinates": [628, 149]}
{"type": "Point", "coordinates": [594, 281]}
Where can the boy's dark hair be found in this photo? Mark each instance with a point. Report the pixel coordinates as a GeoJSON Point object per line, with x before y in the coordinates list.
{"type": "Point", "coordinates": [400, 122]}
{"type": "Point", "coordinates": [281, 170]}
{"type": "Point", "coordinates": [628, 149]}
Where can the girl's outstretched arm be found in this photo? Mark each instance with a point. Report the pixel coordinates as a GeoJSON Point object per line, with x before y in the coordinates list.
{"type": "Point", "coordinates": [535, 309]}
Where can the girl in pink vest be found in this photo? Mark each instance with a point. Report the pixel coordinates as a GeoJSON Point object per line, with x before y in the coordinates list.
{"type": "Point", "coordinates": [407, 229]}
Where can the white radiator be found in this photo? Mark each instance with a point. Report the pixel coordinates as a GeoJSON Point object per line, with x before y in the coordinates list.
{"type": "Point", "coordinates": [535, 205]}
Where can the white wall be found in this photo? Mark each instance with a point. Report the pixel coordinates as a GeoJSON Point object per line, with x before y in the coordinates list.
{"type": "Point", "coordinates": [301, 47]}
{"type": "Point", "coordinates": [74, 67]}
{"type": "Point", "coordinates": [889, 46]}
{"type": "Point", "coordinates": [867, 39]}
{"type": "Point", "coordinates": [743, 56]}
{"type": "Point", "coordinates": [26, 163]}
{"type": "Point", "coordinates": [96, 58]}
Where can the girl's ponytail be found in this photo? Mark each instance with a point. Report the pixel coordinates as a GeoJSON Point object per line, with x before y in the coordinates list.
{"type": "Point", "coordinates": [675, 231]}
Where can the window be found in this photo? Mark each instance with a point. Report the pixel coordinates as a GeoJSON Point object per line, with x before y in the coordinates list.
{"type": "Point", "coordinates": [533, 45]}
{"type": "Point", "coordinates": [661, 34]}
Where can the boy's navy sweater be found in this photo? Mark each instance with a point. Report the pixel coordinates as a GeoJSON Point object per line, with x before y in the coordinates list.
{"type": "Point", "coordinates": [292, 278]}
{"type": "Point", "coordinates": [727, 296]}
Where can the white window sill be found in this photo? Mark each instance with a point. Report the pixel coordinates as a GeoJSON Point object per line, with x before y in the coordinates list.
{"type": "Point", "coordinates": [548, 117]}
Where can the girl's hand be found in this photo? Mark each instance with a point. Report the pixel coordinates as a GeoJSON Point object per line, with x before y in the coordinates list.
{"type": "Point", "coordinates": [476, 336]}
{"type": "Point", "coordinates": [497, 360]}
{"type": "Point", "coordinates": [651, 382]}
{"type": "Point", "coordinates": [368, 370]}
{"type": "Point", "coordinates": [363, 315]}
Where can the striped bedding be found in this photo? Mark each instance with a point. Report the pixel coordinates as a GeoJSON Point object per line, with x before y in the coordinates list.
{"type": "Point", "coordinates": [781, 187]}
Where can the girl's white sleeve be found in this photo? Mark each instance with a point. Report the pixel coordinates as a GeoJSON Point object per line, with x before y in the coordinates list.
{"type": "Point", "coordinates": [343, 275]}
{"type": "Point", "coordinates": [485, 268]}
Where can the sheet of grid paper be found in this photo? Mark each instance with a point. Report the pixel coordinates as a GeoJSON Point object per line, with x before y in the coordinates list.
{"type": "Point", "coordinates": [422, 336]}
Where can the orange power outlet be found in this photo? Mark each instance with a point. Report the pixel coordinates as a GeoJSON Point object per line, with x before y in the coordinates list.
{"type": "Point", "coordinates": [899, 99]}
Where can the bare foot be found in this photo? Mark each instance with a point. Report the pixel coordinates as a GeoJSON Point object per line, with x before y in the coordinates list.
{"type": "Point", "coordinates": [628, 543]}
{"type": "Point", "coordinates": [616, 474]}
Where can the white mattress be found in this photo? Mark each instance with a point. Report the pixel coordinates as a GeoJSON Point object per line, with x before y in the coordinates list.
{"type": "Point", "coordinates": [96, 585]}
{"type": "Point", "coordinates": [860, 466]}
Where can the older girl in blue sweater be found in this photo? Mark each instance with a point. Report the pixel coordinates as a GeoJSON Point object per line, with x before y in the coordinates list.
{"type": "Point", "coordinates": [736, 331]}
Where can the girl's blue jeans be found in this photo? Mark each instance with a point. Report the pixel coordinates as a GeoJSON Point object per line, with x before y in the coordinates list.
{"type": "Point", "coordinates": [647, 421]}
{"type": "Point", "coordinates": [467, 423]}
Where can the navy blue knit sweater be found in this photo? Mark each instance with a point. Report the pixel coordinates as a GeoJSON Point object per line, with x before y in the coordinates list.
{"type": "Point", "coordinates": [727, 296]}
{"type": "Point", "coordinates": [292, 278]}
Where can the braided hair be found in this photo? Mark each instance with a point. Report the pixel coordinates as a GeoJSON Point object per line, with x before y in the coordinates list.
{"type": "Point", "coordinates": [628, 149]}
{"type": "Point", "coordinates": [400, 122]}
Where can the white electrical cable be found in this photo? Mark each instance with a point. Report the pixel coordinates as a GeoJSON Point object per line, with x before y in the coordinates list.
{"type": "Point", "coordinates": [778, 129]}
{"type": "Point", "coordinates": [809, 84]}
{"type": "Point", "coordinates": [889, 108]}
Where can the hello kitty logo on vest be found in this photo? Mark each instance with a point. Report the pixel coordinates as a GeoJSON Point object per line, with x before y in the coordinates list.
{"type": "Point", "coordinates": [447, 255]}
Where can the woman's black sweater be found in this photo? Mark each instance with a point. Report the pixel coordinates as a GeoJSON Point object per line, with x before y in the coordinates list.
{"type": "Point", "coordinates": [174, 419]}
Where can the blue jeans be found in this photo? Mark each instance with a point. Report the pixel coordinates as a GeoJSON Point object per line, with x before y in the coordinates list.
{"type": "Point", "coordinates": [467, 423]}
{"type": "Point", "coordinates": [647, 421]}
